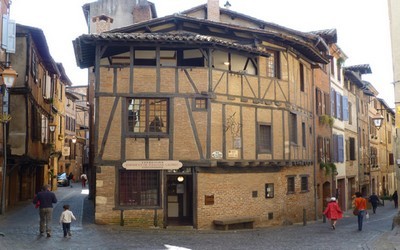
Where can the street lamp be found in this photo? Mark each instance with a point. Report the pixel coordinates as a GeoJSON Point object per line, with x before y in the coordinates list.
{"type": "Point", "coordinates": [8, 75]}
{"type": "Point", "coordinates": [52, 128]}
{"type": "Point", "coordinates": [377, 119]}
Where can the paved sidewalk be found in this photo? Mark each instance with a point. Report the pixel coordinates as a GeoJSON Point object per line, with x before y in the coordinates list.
{"type": "Point", "coordinates": [21, 228]}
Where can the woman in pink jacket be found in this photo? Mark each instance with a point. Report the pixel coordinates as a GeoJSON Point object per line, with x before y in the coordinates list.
{"type": "Point", "coordinates": [333, 212]}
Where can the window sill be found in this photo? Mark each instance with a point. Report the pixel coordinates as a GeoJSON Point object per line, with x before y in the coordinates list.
{"type": "Point", "coordinates": [125, 207]}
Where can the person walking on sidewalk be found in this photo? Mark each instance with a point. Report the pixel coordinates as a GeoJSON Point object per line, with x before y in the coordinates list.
{"type": "Point", "coordinates": [65, 220]}
{"type": "Point", "coordinates": [333, 212]}
{"type": "Point", "coordinates": [46, 199]}
{"type": "Point", "coordinates": [361, 205]}
{"type": "Point", "coordinates": [395, 198]}
{"type": "Point", "coordinates": [374, 199]}
{"type": "Point", "coordinates": [83, 179]}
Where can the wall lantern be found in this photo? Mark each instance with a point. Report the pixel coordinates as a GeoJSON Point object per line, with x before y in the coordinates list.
{"type": "Point", "coordinates": [52, 127]}
{"type": "Point", "coordinates": [73, 139]}
{"type": "Point", "coordinates": [180, 178]}
{"type": "Point", "coordinates": [377, 119]}
{"type": "Point", "coordinates": [9, 75]}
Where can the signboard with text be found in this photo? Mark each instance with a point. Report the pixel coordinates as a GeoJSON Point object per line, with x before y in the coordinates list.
{"type": "Point", "coordinates": [152, 165]}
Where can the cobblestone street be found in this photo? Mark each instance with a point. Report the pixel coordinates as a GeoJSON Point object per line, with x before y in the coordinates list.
{"type": "Point", "coordinates": [20, 227]}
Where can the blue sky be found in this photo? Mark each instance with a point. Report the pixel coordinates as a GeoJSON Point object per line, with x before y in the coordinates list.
{"type": "Point", "coordinates": [362, 26]}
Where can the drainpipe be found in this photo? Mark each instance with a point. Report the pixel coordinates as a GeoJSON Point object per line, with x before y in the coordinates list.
{"type": "Point", "coordinates": [315, 148]}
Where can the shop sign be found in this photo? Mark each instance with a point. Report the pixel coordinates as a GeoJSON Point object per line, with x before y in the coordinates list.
{"type": "Point", "coordinates": [152, 165]}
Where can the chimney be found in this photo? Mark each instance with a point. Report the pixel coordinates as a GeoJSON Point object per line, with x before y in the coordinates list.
{"type": "Point", "coordinates": [213, 10]}
{"type": "Point", "coordinates": [141, 11]}
{"type": "Point", "coordinates": [103, 23]}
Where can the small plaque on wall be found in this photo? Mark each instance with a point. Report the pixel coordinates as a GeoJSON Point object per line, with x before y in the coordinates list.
{"type": "Point", "coordinates": [233, 153]}
{"type": "Point", "coordinates": [209, 200]}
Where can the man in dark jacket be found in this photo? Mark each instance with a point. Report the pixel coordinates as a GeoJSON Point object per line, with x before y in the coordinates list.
{"type": "Point", "coordinates": [374, 199]}
{"type": "Point", "coordinates": [46, 198]}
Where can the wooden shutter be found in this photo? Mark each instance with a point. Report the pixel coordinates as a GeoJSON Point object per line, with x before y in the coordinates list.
{"type": "Point", "coordinates": [345, 106]}
{"type": "Point", "coordinates": [340, 148]}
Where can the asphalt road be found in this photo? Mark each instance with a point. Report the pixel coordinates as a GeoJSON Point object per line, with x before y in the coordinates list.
{"type": "Point", "coordinates": [20, 228]}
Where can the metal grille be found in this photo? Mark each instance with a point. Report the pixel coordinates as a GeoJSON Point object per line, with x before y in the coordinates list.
{"type": "Point", "coordinates": [139, 188]}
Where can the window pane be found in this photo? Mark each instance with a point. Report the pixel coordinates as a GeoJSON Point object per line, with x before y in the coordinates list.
{"type": "Point", "coordinates": [265, 138]}
{"type": "Point", "coordinates": [148, 115]}
{"type": "Point", "coordinates": [304, 183]}
{"type": "Point", "coordinates": [290, 183]}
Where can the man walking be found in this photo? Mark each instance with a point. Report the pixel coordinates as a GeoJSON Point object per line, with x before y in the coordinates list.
{"type": "Point", "coordinates": [374, 199]}
{"type": "Point", "coordinates": [46, 199]}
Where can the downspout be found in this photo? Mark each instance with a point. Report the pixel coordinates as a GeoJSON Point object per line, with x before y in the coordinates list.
{"type": "Point", "coordinates": [358, 145]}
{"type": "Point", "coordinates": [315, 148]}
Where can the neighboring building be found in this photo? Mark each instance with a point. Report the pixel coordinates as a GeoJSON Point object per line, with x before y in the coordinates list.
{"type": "Point", "coordinates": [350, 90]}
{"type": "Point", "coordinates": [394, 16]}
{"type": "Point", "coordinates": [364, 93]}
{"type": "Point", "coordinates": [4, 59]}
{"type": "Point", "coordinates": [339, 111]}
{"type": "Point", "coordinates": [383, 184]}
{"type": "Point", "coordinates": [323, 130]}
{"type": "Point", "coordinates": [80, 124]}
{"type": "Point", "coordinates": [203, 119]}
{"type": "Point", "coordinates": [32, 108]}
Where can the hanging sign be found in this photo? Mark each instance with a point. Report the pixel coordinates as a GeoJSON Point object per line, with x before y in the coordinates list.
{"type": "Point", "coordinates": [152, 165]}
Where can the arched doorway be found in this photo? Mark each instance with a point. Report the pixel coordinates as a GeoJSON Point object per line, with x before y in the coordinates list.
{"type": "Point", "coordinates": [326, 194]}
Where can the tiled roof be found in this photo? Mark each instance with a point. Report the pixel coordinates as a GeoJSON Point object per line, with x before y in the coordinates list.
{"type": "Point", "coordinates": [362, 68]}
{"type": "Point", "coordinates": [329, 35]}
{"type": "Point", "coordinates": [84, 41]}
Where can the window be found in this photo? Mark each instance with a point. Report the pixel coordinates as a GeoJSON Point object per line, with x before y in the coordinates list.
{"type": "Point", "coordinates": [148, 116]}
{"type": "Point", "coordinates": [290, 184]}
{"type": "Point", "coordinates": [352, 149]}
{"type": "Point", "coordinates": [338, 148]}
{"type": "Point", "coordinates": [200, 104]}
{"type": "Point", "coordinates": [139, 188]}
{"type": "Point", "coordinates": [34, 66]}
{"type": "Point", "coordinates": [318, 99]}
{"type": "Point", "coordinates": [391, 159]}
{"type": "Point", "coordinates": [327, 108]}
{"type": "Point", "coordinates": [269, 190]}
{"type": "Point", "coordinates": [302, 80]}
{"type": "Point", "coordinates": [265, 138]}
{"type": "Point", "coordinates": [44, 128]}
{"type": "Point", "coordinates": [332, 64]}
{"type": "Point", "coordinates": [350, 111]}
{"type": "Point", "coordinates": [293, 128]}
{"type": "Point", "coordinates": [36, 124]}
{"type": "Point", "coordinates": [389, 137]}
{"type": "Point", "coordinates": [304, 183]}
{"type": "Point", "coordinates": [273, 69]}
{"type": "Point", "coordinates": [303, 133]}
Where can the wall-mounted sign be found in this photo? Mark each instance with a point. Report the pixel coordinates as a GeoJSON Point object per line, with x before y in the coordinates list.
{"type": "Point", "coordinates": [233, 153]}
{"type": "Point", "coordinates": [209, 200]}
{"type": "Point", "coordinates": [66, 151]}
{"type": "Point", "coordinates": [151, 165]}
{"type": "Point", "coordinates": [237, 142]}
{"type": "Point", "coordinates": [216, 155]}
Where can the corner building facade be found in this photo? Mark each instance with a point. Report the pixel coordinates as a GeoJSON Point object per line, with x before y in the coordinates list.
{"type": "Point", "coordinates": [203, 119]}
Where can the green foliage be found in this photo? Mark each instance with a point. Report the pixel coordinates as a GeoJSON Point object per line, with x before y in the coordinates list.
{"type": "Point", "coordinates": [327, 120]}
{"type": "Point", "coordinates": [329, 167]}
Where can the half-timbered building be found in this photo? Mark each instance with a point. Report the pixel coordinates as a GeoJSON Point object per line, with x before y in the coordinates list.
{"type": "Point", "coordinates": [200, 116]}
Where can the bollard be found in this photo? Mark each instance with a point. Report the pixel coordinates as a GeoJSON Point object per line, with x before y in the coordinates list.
{"type": "Point", "coordinates": [323, 218]}
{"type": "Point", "coordinates": [304, 217]}
{"type": "Point", "coordinates": [121, 223]}
{"type": "Point", "coordinates": [155, 218]}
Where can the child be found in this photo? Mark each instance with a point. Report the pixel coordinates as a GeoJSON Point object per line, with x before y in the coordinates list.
{"type": "Point", "coordinates": [65, 220]}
